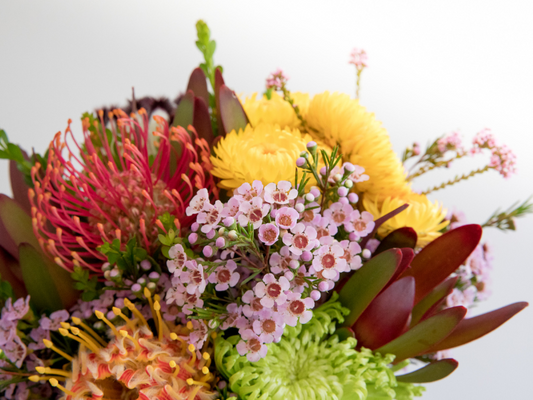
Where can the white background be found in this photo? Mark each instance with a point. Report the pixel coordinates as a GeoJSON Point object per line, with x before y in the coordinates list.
{"type": "Point", "coordinates": [434, 67]}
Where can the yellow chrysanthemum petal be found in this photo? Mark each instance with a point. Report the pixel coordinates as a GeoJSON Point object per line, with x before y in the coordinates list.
{"type": "Point", "coordinates": [275, 111]}
{"type": "Point", "coordinates": [340, 120]}
{"type": "Point", "coordinates": [266, 153]}
{"type": "Point", "coordinates": [425, 217]}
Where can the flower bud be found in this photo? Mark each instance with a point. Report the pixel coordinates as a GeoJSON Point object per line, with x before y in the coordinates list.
{"type": "Point", "coordinates": [154, 276]}
{"type": "Point", "coordinates": [323, 171]}
{"type": "Point", "coordinates": [136, 288]}
{"type": "Point", "coordinates": [299, 207]}
{"type": "Point", "coordinates": [348, 184]}
{"type": "Point", "coordinates": [309, 197]}
{"type": "Point", "coordinates": [348, 166]}
{"type": "Point", "coordinates": [306, 256]}
{"type": "Point", "coordinates": [146, 265]}
{"type": "Point", "coordinates": [311, 147]}
{"type": "Point", "coordinates": [315, 192]}
{"type": "Point", "coordinates": [210, 234]}
{"type": "Point", "coordinates": [232, 235]}
{"type": "Point", "coordinates": [315, 295]}
{"type": "Point", "coordinates": [337, 177]}
{"type": "Point", "coordinates": [342, 191]}
{"type": "Point", "coordinates": [220, 242]}
{"type": "Point", "coordinates": [221, 231]}
{"type": "Point", "coordinates": [193, 237]}
{"type": "Point", "coordinates": [207, 251]}
{"type": "Point", "coordinates": [195, 226]}
{"type": "Point", "coordinates": [228, 221]}
{"type": "Point", "coordinates": [300, 162]}
{"type": "Point", "coordinates": [366, 253]}
{"type": "Point", "coordinates": [353, 198]}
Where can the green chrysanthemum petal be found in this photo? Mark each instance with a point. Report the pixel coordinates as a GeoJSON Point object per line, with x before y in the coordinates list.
{"type": "Point", "coordinates": [311, 363]}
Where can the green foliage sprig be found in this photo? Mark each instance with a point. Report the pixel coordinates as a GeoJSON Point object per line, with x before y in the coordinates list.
{"type": "Point", "coordinates": [505, 220]}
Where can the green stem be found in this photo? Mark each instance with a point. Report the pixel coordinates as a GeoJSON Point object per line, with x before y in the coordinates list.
{"type": "Point", "coordinates": [457, 179]}
{"type": "Point", "coordinates": [358, 83]}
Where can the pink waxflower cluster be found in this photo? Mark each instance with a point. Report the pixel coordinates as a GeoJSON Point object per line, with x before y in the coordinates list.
{"type": "Point", "coordinates": [10, 343]}
{"type": "Point", "coordinates": [502, 157]}
{"type": "Point", "coordinates": [452, 141]}
{"type": "Point", "coordinates": [359, 58]}
{"type": "Point", "coordinates": [276, 80]}
{"type": "Point", "coordinates": [272, 251]}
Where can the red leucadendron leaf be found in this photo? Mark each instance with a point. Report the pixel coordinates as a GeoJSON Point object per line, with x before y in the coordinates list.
{"type": "Point", "coordinates": [231, 114]}
{"type": "Point", "coordinates": [198, 84]}
{"type": "Point", "coordinates": [403, 237]}
{"type": "Point", "coordinates": [473, 328]}
{"type": "Point", "coordinates": [442, 257]}
{"type": "Point", "coordinates": [387, 316]}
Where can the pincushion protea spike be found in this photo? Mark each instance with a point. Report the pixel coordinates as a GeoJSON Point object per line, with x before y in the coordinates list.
{"type": "Point", "coordinates": [117, 187]}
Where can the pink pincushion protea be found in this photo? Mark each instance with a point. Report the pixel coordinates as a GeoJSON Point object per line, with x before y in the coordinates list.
{"type": "Point", "coordinates": [115, 185]}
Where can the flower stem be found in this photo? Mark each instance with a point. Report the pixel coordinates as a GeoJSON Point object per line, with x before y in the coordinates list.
{"type": "Point", "coordinates": [457, 179]}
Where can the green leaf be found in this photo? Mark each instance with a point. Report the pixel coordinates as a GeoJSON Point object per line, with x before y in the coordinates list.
{"type": "Point", "coordinates": [17, 224]}
{"type": "Point", "coordinates": [473, 328]}
{"type": "Point", "coordinates": [185, 112]}
{"type": "Point", "coordinates": [344, 333]}
{"type": "Point", "coordinates": [39, 282]}
{"type": "Point", "coordinates": [423, 336]}
{"type": "Point", "coordinates": [366, 283]}
{"type": "Point", "coordinates": [432, 372]}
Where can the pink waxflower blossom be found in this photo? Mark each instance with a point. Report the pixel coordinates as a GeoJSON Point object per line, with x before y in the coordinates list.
{"type": "Point", "coordinates": [451, 141]}
{"type": "Point", "coordinates": [225, 276]}
{"type": "Point", "coordinates": [358, 175]}
{"type": "Point", "coordinates": [276, 80]}
{"type": "Point", "coordinates": [178, 258]}
{"type": "Point", "coordinates": [272, 290]}
{"type": "Point", "coordinates": [268, 234]}
{"type": "Point", "coordinates": [338, 213]}
{"type": "Point", "coordinates": [351, 254]}
{"type": "Point", "coordinates": [17, 310]}
{"type": "Point", "coordinates": [198, 202]}
{"type": "Point", "coordinates": [287, 217]}
{"type": "Point", "coordinates": [298, 283]}
{"type": "Point", "coordinates": [328, 259]}
{"type": "Point", "coordinates": [502, 158]}
{"type": "Point", "coordinates": [303, 238]}
{"type": "Point", "coordinates": [253, 212]}
{"type": "Point", "coordinates": [15, 350]}
{"type": "Point", "coordinates": [247, 192]}
{"type": "Point", "coordinates": [281, 193]}
{"type": "Point", "coordinates": [297, 308]}
{"type": "Point", "coordinates": [37, 335]}
{"type": "Point", "coordinates": [199, 333]}
{"type": "Point", "coordinates": [359, 58]}
{"type": "Point", "coordinates": [8, 329]}
{"type": "Point", "coordinates": [310, 212]}
{"type": "Point", "coordinates": [269, 326]}
{"type": "Point", "coordinates": [325, 228]}
{"type": "Point", "coordinates": [282, 261]}
{"type": "Point", "coordinates": [252, 304]}
{"type": "Point", "coordinates": [194, 277]}
{"type": "Point", "coordinates": [251, 346]}
{"type": "Point", "coordinates": [360, 224]}
{"type": "Point", "coordinates": [54, 322]}
{"type": "Point", "coordinates": [210, 216]}
{"type": "Point", "coordinates": [231, 208]}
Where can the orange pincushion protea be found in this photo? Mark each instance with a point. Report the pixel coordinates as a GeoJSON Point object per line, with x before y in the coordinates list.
{"type": "Point", "coordinates": [116, 188]}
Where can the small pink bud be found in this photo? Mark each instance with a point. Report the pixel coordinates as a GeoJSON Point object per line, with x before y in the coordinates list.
{"type": "Point", "coordinates": [353, 198]}
{"type": "Point", "coordinates": [342, 191]}
{"type": "Point", "coordinates": [348, 166]}
{"type": "Point", "coordinates": [366, 253]}
{"type": "Point", "coordinates": [135, 288]}
{"type": "Point", "coordinates": [294, 264]}
{"type": "Point", "coordinates": [289, 275]}
{"type": "Point", "coordinates": [207, 251]}
{"type": "Point", "coordinates": [323, 286]}
{"type": "Point", "coordinates": [311, 144]}
{"type": "Point", "coordinates": [210, 234]}
{"type": "Point", "coordinates": [228, 221]}
{"type": "Point", "coordinates": [300, 162]}
{"type": "Point", "coordinates": [323, 171]}
{"type": "Point", "coordinates": [195, 226]}
{"type": "Point", "coordinates": [315, 192]}
{"type": "Point", "coordinates": [220, 242]}
{"type": "Point", "coordinates": [193, 237]}
{"type": "Point", "coordinates": [145, 265]}
{"type": "Point", "coordinates": [315, 295]}
{"type": "Point", "coordinates": [306, 256]}
{"type": "Point", "coordinates": [299, 207]}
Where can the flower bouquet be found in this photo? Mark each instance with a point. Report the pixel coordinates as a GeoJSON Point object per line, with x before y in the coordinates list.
{"type": "Point", "coordinates": [216, 246]}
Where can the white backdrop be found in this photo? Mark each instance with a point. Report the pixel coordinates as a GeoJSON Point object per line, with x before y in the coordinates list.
{"type": "Point", "coordinates": [434, 67]}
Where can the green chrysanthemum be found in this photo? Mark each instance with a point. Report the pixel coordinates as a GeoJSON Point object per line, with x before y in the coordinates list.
{"type": "Point", "coordinates": [311, 362]}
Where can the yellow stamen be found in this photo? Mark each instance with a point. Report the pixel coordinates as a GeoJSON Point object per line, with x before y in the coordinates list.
{"type": "Point", "coordinates": [134, 310]}
{"type": "Point", "coordinates": [118, 312]}
{"type": "Point", "coordinates": [148, 296]}
{"type": "Point", "coordinates": [66, 333]}
{"type": "Point", "coordinates": [207, 377]}
{"type": "Point", "coordinates": [205, 357]}
{"type": "Point", "coordinates": [214, 335]}
{"type": "Point", "coordinates": [125, 334]}
{"type": "Point", "coordinates": [189, 325]}
{"type": "Point", "coordinates": [172, 392]}
{"type": "Point", "coordinates": [194, 392]}
{"type": "Point", "coordinates": [189, 368]}
{"type": "Point", "coordinates": [173, 364]}
{"type": "Point", "coordinates": [37, 378]}
{"type": "Point", "coordinates": [64, 325]}
{"type": "Point", "coordinates": [191, 382]}
{"type": "Point", "coordinates": [78, 321]}
{"type": "Point", "coordinates": [84, 336]}
{"type": "Point", "coordinates": [193, 352]}
{"type": "Point", "coordinates": [50, 345]}
{"type": "Point", "coordinates": [158, 320]}
{"type": "Point", "coordinates": [53, 371]}
{"type": "Point", "coordinates": [100, 316]}
{"type": "Point", "coordinates": [205, 370]}
{"type": "Point", "coordinates": [55, 383]}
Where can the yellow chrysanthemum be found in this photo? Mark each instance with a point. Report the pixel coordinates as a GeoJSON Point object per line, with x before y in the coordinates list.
{"type": "Point", "coordinates": [425, 217]}
{"type": "Point", "coordinates": [275, 111]}
{"type": "Point", "coordinates": [340, 120]}
{"type": "Point", "coordinates": [267, 153]}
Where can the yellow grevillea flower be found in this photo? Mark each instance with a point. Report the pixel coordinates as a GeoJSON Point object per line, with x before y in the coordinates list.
{"type": "Point", "coordinates": [425, 217]}
{"type": "Point", "coordinates": [339, 120]}
{"type": "Point", "coordinates": [266, 152]}
{"type": "Point", "coordinates": [275, 111]}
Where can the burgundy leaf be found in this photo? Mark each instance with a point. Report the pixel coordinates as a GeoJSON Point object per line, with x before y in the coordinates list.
{"type": "Point", "coordinates": [231, 112]}
{"type": "Point", "coordinates": [432, 299]}
{"type": "Point", "coordinates": [387, 316]}
{"type": "Point", "coordinates": [400, 238]}
{"type": "Point", "coordinates": [442, 257]}
{"type": "Point", "coordinates": [19, 187]}
{"type": "Point", "coordinates": [198, 84]}
{"type": "Point", "coordinates": [378, 222]}
{"type": "Point", "coordinates": [471, 329]}
{"type": "Point", "coordinates": [202, 120]}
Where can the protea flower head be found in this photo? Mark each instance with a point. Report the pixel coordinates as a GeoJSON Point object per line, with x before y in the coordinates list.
{"type": "Point", "coordinates": [115, 184]}
{"type": "Point", "coordinates": [397, 300]}
{"type": "Point", "coordinates": [312, 361]}
{"type": "Point", "coordinates": [138, 363]}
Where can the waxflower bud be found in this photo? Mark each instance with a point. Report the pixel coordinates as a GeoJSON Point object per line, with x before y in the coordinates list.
{"type": "Point", "coordinates": [309, 197]}
{"type": "Point", "coordinates": [342, 191]}
{"type": "Point", "coordinates": [366, 253]}
{"type": "Point", "coordinates": [207, 251]}
{"type": "Point", "coordinates": [353, 198]}
{"type": "Point", "coordinates": [136, 288]}
{"type": "Point", "coordinates": [221, 231]}
{"type": "Point", "coordinates": [299, 207]}
{"type": "Point", "coordinates": [348, 184]}
{"type": "Point", "coordinates": [228, 221]}
{"type": "Point", "coordinates": [304, 155]}
{"type": "Point", "coordinates": [315, 295]}
{"type": "Point", "coordinates": [348, 166]}
{"type": "Point", "coordinates": [220, 242]}
{"type": "Point", "coordinates": [154, 276]}
{"type": "Point", "coordinates": [232, 235]}
{"type": "Point", "coordinates": [300, 162]}
{"type": "Point", "coordinates": [315, 192]}
{"type": "Point", "coordinates": [151, 286]}
{"type": "Point", "coordinates": [146, 265]}
{"type": "Point", "coordinates": [210, 234]}
{"type": "Point", "coordinates": [193, 237]}
{"type": "Point", "coordinates": [312, 146]}
{"type": "Point", "coordinates": [323, 171]}
{"type": "Point", "coordinates": [337, 177]}
{"type": "Point", "coordinates": [195, 226]}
